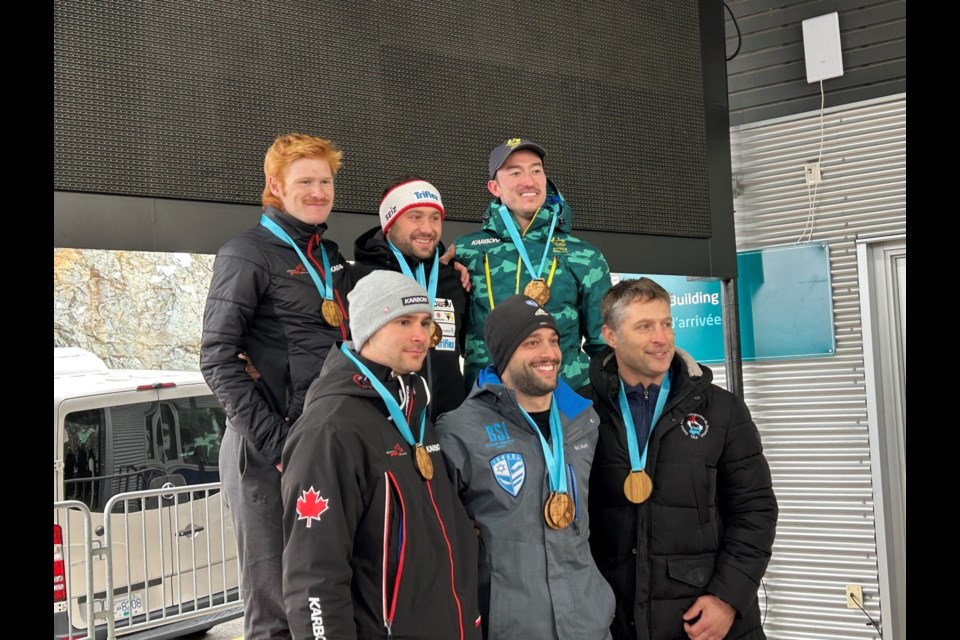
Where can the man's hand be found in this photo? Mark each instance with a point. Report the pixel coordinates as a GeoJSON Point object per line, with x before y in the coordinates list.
{"type": "Point", "coordinates": [464, 274]}
{"type": "Point", "coordinates": [715, 619]}
{"type": "Point", "coordinates": [250, 369]}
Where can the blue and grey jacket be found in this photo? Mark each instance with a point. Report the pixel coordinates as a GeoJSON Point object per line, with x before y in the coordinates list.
{"type": "Point", "coordinates": [535, 582]}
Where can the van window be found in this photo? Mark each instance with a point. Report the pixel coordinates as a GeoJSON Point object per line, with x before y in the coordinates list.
{"type": "Point", "coordinates": [141, 446]}
{"type": "Point", "coordinates": [84, 447]}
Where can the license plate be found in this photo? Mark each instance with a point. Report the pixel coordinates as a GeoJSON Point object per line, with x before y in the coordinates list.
{"type": "Point", "coordinates": [127, 606]}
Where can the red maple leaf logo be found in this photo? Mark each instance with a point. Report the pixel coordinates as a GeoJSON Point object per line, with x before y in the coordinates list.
{"type": "Point", "coordinates": [396, 451]}
{"type": "Point", "coordinates": [297, 270]}
{"type": "Point", "coordinates": [310, 506]}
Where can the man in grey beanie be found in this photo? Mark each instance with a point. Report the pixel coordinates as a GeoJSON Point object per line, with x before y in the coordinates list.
{"type": "Point", "coordinates": [519, 450]}
{"type": "Point", "coordinates": [366, 518]}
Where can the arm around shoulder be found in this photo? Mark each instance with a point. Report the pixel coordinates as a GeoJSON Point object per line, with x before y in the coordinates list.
{"type": "Point", "coordinates": [594, 283]}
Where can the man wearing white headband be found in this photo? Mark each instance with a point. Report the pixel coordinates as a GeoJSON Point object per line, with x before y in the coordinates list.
{"type": "Point", "coordinates": [408, 241]}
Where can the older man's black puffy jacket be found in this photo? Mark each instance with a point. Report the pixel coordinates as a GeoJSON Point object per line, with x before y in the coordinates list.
{"type": "Point", "coordinates": [709, 525]}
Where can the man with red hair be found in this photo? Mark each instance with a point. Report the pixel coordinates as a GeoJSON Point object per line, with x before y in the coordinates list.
{"type": "Point", "coordinates": [275, 299]}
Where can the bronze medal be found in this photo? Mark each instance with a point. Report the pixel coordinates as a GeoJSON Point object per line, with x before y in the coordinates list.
{"type": "Point", "coordinates": [637, 487]}
{"type": "Point", "coordinates": [559, 510]}
{"type": "Point", "coordinates": [435, 335]}
{"type": "Point", "coordinates": [538, 290]}
{"type": "Point", "coordinates": [331, 313]}
{"type": "Point", "coordinates": [424, 463]}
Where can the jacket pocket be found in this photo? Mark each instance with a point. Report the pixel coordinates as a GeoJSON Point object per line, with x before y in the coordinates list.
{"type": "Point", "coordinates": [695, 571]}
{"type": "Point", "coordinates": [702, 489]}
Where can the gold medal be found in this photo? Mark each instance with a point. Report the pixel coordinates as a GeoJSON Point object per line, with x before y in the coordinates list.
{"type": "Point", "coordinates": [424, 463]}
{"type": "Point", "coordinates": [637, 487]}
{"type": "Point", "coordinates": [331, 313]}
{"type": "Point", "coordinates": [538, 290]}
{"type": "Point", "coordinates": [559, 510]}
{"type": "Point", "coordinates": [435, 335]}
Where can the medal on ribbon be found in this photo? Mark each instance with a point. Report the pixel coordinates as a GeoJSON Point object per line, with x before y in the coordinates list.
{"type": "Point", "coordinates": [638, 485]}
{"type": "Point", "coordinates": [538, 288]}
{"type": "Point", "coordinates": [559, 510]}
{"type": "Point", "coordinates": [424, 463]}
{"type": "Point", "coordinates": [436, 333]}
{"type": "Point", "coordinates": [421, 458]}
{"type": "Point", "coordinates": [328, 308]}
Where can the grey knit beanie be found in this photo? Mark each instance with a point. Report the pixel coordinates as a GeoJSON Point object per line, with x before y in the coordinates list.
{"type": "Point", "coordinates": [378, 298]}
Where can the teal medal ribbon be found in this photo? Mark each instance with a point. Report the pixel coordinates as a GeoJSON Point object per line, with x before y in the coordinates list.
{"type": "Point", "coordinates": [326, 290]}
{"type": "Point", "coordinates": [420, 277]}
{"type": "Point", "coordinates": [559, 510]}
{"type": "Point", "coordinates": [399, 420]}
{"type": "Point", "coordinates": [436, 333]}
{"type": "Point", "coordinates": [511, 226]}
{"type": "Point", "coordinates": [553, 456]}
{"type": "Point", "coordinates": [638, 485]}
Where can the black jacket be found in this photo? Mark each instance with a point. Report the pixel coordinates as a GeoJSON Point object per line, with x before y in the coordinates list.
{"type": "Point", "coordinates": [442, 366]}
{"type": "Point", "coordinates": [262, 301]}
{"type": "Point", "coordinates": [366, 539]}
{"type": "Point", "coordinates": [709, 525]}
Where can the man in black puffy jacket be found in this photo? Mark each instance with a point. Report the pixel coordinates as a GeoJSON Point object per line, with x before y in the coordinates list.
{"type": "Point", "coordinates": [276, 300]}
{"type": "Point", "coordinates": [408, 241]}
{"type": "Point", "coordinates": [681, 501]}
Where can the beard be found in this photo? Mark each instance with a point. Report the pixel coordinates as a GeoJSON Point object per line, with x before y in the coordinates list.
{"type": "Point", "coordinates": [529, 382]}
{"type": "Point", "coordinates": [406, 247]}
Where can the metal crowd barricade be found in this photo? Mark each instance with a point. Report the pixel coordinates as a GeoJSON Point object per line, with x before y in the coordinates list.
{"type": "Point", "coordinates": [79, 590]}
{"type": "Point", "coordinates": [169, 555]}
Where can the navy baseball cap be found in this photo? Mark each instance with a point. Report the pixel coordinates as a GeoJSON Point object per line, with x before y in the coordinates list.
{"type": "Point", "coordinates": [499, 155]}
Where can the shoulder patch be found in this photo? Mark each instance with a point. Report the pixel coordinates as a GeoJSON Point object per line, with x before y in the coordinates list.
{"type": "Point", "coordinates": [310, 506]}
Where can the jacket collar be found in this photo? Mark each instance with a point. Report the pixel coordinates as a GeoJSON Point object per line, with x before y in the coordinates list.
{"type": "Point", "coordinates": [340, 376]}
{"type": "Point", "coordinates": [371, 248]}
{"type": "Point", "coordinates": [569, 403]}
{"type": "Point", "coordinates": [295, 228]}
{"type": "Point", "coordinates": [538, 230]}
{"type": "Point", "coordinates": [604, 372]}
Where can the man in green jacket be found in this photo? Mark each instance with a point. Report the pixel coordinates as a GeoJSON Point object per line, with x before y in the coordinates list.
{"type": "Point", "coordinates": [525, 246]}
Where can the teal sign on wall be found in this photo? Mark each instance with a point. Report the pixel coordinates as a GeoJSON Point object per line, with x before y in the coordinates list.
{"type": "Point", "coordinates": [785, 305]}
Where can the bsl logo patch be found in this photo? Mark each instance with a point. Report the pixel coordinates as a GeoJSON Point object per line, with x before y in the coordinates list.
{"type": "Point", "coordinates": [509, 471]}
{"type": "Point", "coordinates": [310, 506]}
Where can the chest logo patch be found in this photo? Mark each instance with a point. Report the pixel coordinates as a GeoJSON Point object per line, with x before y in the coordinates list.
{"type": "Point", "coordinates": [695, 426]}
{"type": "Point", "coordinates": [509, 470]}
{"type": "Point", "coordinates": [361, 381]}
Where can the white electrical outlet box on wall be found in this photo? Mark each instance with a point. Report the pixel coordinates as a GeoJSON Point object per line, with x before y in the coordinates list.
{"type": "Point", "coordinates": [821, 47]}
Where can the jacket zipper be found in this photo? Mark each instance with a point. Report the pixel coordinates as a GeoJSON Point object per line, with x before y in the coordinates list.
{"type": "Point", "coordinates": [390, 609]}
{"type": "Point", "coordinates": [453, 584]}
{"type": "Point", "coordinates": [572, 482]}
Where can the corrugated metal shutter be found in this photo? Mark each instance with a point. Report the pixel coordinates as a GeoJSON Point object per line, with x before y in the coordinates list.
{"type": "Point", "coordinates": [128, 424]}
{"type": "Point", "coordinates": [812, 413]}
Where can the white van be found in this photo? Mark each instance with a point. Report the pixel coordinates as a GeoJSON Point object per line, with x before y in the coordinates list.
{"type": "Point", "coordinates": [136, 488]}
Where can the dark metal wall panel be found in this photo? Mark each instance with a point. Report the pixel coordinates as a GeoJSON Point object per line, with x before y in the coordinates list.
{"type": "Point", "coordinates": [767, 77]}
{"type": "Point", "coordinates": [177, 101]}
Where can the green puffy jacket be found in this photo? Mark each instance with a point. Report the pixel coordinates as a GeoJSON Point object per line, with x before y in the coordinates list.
{"type": "Point", "coordinates": [579, 282]}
